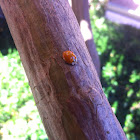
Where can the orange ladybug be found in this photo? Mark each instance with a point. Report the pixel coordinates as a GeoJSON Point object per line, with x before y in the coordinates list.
{"type": "Point", "coordinates": [69, 57]}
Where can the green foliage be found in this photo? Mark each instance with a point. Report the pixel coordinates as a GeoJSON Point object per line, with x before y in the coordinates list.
{"type": "Point", "coordinates": [19, 118]}
{"type": "Point", "coordinates": [119, 49]}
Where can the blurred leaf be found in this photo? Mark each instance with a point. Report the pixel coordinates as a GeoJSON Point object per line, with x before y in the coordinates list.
{"type": "Point", "coordinates": [19, 118]}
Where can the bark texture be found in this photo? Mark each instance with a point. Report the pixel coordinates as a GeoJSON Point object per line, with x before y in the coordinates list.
{"type": "Point", "coordinates": [70, 99]}
{"type": "Point", "coordinates": [81, 10]}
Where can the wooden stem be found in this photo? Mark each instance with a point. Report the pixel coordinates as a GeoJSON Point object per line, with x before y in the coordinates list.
{"type": "Point", "coordinates": [70, 99]}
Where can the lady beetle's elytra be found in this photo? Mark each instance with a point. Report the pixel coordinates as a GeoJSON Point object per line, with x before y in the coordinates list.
{"type": "Point", "coordinates": [69, 57]}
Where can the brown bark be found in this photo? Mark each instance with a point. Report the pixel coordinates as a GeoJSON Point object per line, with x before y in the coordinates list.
{"type": "Point", "coordinates": [69, 98]}
{"type": "Point", "coordinates": [81, 10]}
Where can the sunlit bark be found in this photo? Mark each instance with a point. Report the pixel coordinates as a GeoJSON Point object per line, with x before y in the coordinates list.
{"type": "Point", "coordinates": [70, 99]}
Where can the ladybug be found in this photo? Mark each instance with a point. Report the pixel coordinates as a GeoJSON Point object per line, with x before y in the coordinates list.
{"type": "Point", "coordinates": [69, 57]}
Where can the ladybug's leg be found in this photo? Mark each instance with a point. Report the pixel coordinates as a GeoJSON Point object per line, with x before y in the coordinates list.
{"type": "Point", "coordinates": [69, 49]}
{"type": "Point", "coordinates": [73, 63]}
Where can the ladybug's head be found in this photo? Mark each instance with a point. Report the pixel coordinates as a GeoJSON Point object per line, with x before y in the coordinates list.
{"type": "Point", "coordinates": [74, 61]}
